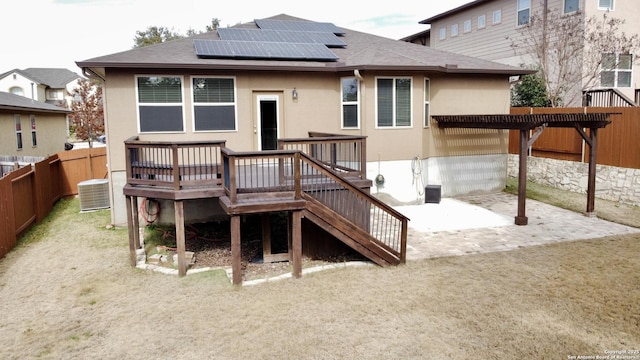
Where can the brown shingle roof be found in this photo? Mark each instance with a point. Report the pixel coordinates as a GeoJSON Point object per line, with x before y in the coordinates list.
{"type": "Point", "coordinates": [363, 51]}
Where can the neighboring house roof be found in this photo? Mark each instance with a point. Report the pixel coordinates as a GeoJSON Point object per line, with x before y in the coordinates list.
{"type": "Point", "coordinates": [421, 34]}
{"type": "Point", "coordinates": [56, 78]}
{"type": "Point", "coordinates": [454, 11]}
{"type": "Point", "coordinates": [362, 52]}
{"type": "Point", "coordinates": [16, 102]}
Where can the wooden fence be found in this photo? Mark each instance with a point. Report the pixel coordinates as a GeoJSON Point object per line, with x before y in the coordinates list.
{"type": "Point", "coordinates": [27, 195]}
{"type": "Point", "coordinates": [618, 143]}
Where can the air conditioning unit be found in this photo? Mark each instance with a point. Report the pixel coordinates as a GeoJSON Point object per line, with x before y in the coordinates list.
{"type": "Point", "coordinates": [93, 194]}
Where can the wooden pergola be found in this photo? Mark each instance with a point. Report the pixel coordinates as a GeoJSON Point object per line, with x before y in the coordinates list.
{"type": "Point", "coordinates": [538, 122]}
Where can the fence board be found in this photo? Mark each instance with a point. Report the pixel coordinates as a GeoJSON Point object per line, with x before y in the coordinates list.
{"type": "Point", "coordinates": [79, 165]}
{"type": "Point", "coordinates": [7, 230]}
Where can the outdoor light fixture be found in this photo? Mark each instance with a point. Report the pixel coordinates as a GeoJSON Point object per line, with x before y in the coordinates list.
{"type": "Point", "coordinates": [294, 94]}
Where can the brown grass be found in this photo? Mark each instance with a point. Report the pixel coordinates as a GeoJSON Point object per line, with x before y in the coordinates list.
{"type": "Point", "coordinates": [70, 293]}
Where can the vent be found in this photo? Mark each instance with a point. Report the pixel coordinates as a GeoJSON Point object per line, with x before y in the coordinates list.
{"type": "Point", "coordinates": [93, 194]}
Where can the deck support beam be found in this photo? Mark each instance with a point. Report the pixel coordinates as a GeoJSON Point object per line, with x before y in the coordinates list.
{"type": "Point", "coordinates": [134, 231]}
{"type": "Point", "coordinates": [296, 234]}
{"type": "Point", "coordinates": [180, 237]}
{"type": "Point", "coordinates": [236, 254]}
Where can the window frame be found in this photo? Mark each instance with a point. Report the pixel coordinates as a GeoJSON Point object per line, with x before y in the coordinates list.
{"type": "Point", "coordinates": [17, 123]}
{"type": "Point", "coordinates": [609, 8]}
{"type": "Point", "coordinates": [564, 7]}
{"type": "Point", "coordinates": [483, 24]}
{"type": "Point", "coordinates": [523, 9]}
{"type": "Point", "coordinates": [616, 71]}
{"type": "Point", "coordinates": [344, 103]}
{"type": "Point", "coordinates": [427, 102]}
{"type": "Point", "coordinates": [160, 104]}
{"type": "Point", "coordinates": [195, 104]}
{"type": "Point", "coordinates": [455, 29]}
{"type": "Point", "coordinates": [394, 119]}
{"type": "Point", "coordinates": [498, 14]}
{"type": "Point", "coordinates": [442, 34]}
{"type": "Point", "coordinates": [466, 26]}
{"type": "Point", "coordinates": [34, 133]}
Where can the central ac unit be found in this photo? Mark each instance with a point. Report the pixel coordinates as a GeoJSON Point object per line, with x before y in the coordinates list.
{"type": "Point", "coordinates": [93, 194]}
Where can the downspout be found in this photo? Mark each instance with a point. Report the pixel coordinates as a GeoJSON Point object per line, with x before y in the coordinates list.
{"type": "Point", "coordinates": [361, 88]}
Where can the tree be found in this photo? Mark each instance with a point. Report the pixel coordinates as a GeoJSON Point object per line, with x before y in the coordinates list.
{"type": "Point", "coordinates": [88, 114]}
{"type": "Point", "coordinates": [530, 91]}
{"type": "Point", "coordinates": [568, 50]}
{"type": "Point", "coordinates": [159, 34]}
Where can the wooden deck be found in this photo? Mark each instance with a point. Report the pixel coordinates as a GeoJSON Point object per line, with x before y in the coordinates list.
{"type": "Point", "coordinates": [321, 178]}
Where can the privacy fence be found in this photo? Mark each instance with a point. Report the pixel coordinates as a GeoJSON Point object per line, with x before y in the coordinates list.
{"type": "Point", "coordinates": [28, 193]}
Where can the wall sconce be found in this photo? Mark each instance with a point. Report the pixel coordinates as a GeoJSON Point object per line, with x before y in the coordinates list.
{"type": "Point", "coordinates": [294, 94]}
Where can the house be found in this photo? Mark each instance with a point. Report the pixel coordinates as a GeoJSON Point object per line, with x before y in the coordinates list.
{"type": "Point", "coordinates": [234, 95]}
{"type": "Point", "coordinates": [50, 85]}
{"type": "Point", "coordinates": [487, 29]}
{"type": "Point", "coordinates": [31, 128]}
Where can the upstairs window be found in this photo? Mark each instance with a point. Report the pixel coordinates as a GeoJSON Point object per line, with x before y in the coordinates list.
{"type": "Point", "coordinates": [605, 5]}
{"type": "Point", "coordinates": [427, 101]}
{"type": "Point", "coordinates": [524, 12]}
{"type": "Point", "coordinates": [571, 6]}
{"type": "Point", "coordinates": [443, 33]}
{"type": "Point", "coordinates": [616, 70]}
{"type": "Point", "coordinates": [18, 125]}
{"type": "Point", "coordinates": [467, 26]}
{"type": "Point", "coordinates": [497, 16]}
{"type": "Point", "coordinates": [454, 30]}
{"type": "Point", "coordinates": [160, 103]}
{"type": "Point", "coordinates": [482, 21]}
{"type": "Point", "coordinates": [214, 104]}
{"type": "Point", "coordinates": [16, 90]}
{"type": "Point", "coordinates": [34, 135]}
{"type": "Point", "coordinates": [393, 97]}
{"type": "Point", "coordinates": [350, 100]}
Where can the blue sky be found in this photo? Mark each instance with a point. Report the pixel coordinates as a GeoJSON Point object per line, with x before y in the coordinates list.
{"type": "Point", "coordinates": [57, 33]}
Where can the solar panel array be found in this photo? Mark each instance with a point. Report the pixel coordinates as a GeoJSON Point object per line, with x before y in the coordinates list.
{"type": "Point", "coordinates": [262, 50]}
{"type": "Point", "coordinates": [274, 40]}
{"type": "Point", "coordinates": [286, 36]}
{"type": "Point", "coordinates": [298, 25]}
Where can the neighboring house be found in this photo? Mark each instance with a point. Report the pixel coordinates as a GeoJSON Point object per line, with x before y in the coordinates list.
{"type": "Point", "coordinates": [31, 128]}
{"type": "Point", "coordinates": [250, 93]}
{"type": "Point", "coordinates": [48, 85]}
{"type": "Point", "coordinates": [486, 29]}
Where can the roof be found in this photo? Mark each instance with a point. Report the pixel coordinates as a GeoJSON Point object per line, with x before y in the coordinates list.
{"type": "Point", "coordinates": [524, 122]}
{"type": "Point", "coordinates": [461, 8]}
{"type": "Point", "coordinates": [56, 78]}
{"type": "Point", "coordinates": [20, 103]}
{"type": "Point", "coordinates": [363, 51]}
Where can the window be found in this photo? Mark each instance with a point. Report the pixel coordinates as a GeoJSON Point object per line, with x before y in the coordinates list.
{"type": "Point", "coordinates": [571, 6]}
{"type": "Point", "coordinates": [54, 94]}
{"type": "Point", "coordinates": [482, 21]}
{"type": "Point", "coordinates": [443, 33]}
{"type": "Point", "coordinates": [427, 100]}
{"type": "Point", "coordinates": [524, 10]}
{"type": "Point", "coordinates": [350, 114]}
{"type": "Point", "coordinates": [214, 104]}
{"type": "Point", "coordinates": [160, 107]}
{"type": "Point", "coordinates": [605, 5]}
{"type": "Point", "coordinates": [16, 119]}
{"type": "Point", "coordinates": [467, 26]}
{"type": "Point", "coordinates": [16, 90]}
{"type": "Point", "coordinates": [34, 135]}
{"type": "Point", "coordinates": [393, 102]}
{"type": "Point", "coordinates": [454, 30]}
{"type": "Point", "coordinates": [497, 16]}
{"type": "Point", "coordinates": [616, 70]}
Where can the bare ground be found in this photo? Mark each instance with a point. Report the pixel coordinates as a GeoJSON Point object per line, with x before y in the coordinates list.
{"type": "Point", "coordinates": [68, 292]}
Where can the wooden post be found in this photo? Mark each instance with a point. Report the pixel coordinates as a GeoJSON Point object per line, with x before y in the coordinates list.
{"type": "Point", "coordinates": [266, 237]}
{"type": "Point", "coordinates": [136, 222]}
{"type": "Point", "coordinates": [236, 255]}
{"type": "Point", "coordinates": [180, 241]}
{"type": "Point", "coordinates": [132, 248]}
{"type": "Point", "coordinates": [591, 184]}
{"type": "Point", "coordinates": [521, 219]}
{"type": "Point", "coordinates": [296, 232]}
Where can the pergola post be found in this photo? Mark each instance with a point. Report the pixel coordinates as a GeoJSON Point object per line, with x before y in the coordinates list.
{"type": "Point", "coordinates": [591, 184]}
{"type": "Point", "coordinates": [521, 218]}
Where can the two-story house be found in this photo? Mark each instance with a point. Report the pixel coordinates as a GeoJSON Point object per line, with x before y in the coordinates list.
{"type": "Point", "coordinates": [489, 29]}
{"type": "Point", "coordinates": [50, 85]}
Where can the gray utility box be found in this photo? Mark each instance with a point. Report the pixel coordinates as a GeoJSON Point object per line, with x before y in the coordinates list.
{"type": "Point", "coordinates": [432, 194]}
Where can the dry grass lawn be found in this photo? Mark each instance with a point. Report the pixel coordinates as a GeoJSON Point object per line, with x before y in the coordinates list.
{"type": "Point", "coordinates": [68, 292]}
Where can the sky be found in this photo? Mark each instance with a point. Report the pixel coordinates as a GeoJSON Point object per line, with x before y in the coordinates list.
{"type": "Point", "coordinates": [57, 33]}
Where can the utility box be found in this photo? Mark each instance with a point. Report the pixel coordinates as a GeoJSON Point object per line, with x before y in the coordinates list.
{"type": "Point", "coordinates": [432, 194]}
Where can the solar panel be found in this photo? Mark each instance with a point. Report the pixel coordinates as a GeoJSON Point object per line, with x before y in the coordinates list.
{"type": "Point", "coordinates": [262, 50]}
{"type": "Point", "coordinates": [298, 25]}
{"type": "Point", "coordinates": [306, 37]}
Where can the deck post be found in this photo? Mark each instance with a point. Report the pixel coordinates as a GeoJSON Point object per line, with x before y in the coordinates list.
{"type": "Point", "coordinates": [296, 232]}
{"type": "Point", "coordinates": [266, 237]}
{"type": "Point", "coordinates": [180, 238]}
{"type": "Point", "coordinates": [521, 219]}
{"type": "Point", "coordinates": [136, 222]}
{"type": "Point", "coordinates": [591, 183]}
{"type": "Point", "coordinates": [132, 248]}
{"type": "Point", "coordinates": [236, 256]}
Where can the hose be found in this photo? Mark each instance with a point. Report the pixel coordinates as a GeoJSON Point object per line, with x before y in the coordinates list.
{"type": "Point", "coordinates": [145, 210]}
{"type": "Point", "coordinates": [416, 169]}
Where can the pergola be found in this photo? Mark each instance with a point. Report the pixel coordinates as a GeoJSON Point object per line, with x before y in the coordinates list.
{"type": "Point", "coordinates": [538, 122]}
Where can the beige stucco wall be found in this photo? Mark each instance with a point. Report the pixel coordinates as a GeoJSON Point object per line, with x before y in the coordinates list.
{"type": "Point", "coordinates": [50, 130]}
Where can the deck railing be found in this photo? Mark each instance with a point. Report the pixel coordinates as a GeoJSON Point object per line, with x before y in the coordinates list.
{"type": "Point", "coordinates": [344, 154]}
{"type": "Point", "coordinates": [267, 175]}
{"type": "Point", "coordinates": [174, 165]}
{"type": "Point", "coordinates": [607, 98]}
